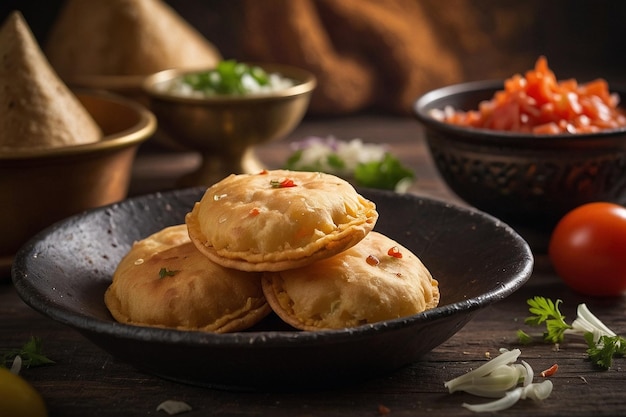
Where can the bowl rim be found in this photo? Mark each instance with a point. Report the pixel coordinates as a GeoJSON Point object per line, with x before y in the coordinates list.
{"type": "Point", "coordinates": [29, 293]}
{"type": "Point", "coordinates": [117, 83]}
{"type": "Point", "coordinates": [136, 134]}
{"type": "Point", "coordinates": [424, 104]}
{"type": "Point", "coordinates": [306, 83]}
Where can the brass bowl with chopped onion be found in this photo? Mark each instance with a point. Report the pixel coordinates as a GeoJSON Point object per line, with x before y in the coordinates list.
{"type": "Point", "coordinates": [225, 127]}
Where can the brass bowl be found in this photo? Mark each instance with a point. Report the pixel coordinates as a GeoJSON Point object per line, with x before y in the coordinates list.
{"type": "Point", "coordinates": [40, 187]}
{"type": "Point", "coordinates": [225, 128]}
{"type": "Point", "coordinates": [529, 181]}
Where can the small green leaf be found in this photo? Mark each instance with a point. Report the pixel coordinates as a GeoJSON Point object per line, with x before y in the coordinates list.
{"type": "Point", "coordinates": [164, 272]}
{"type": "Point", "coordinates": [523, 337]}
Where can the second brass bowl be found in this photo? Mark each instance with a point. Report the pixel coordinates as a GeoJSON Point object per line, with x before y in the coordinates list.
{"type": "Point", "coordinates": [224, 128]}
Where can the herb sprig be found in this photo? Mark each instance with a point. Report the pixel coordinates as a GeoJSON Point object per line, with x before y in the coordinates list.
{"type": "Point", "coordinates": [547, 311]}
{"type": "Point", "coordinates": [31, 354]}
{"type": "Point", "coordinates": [603, 344]}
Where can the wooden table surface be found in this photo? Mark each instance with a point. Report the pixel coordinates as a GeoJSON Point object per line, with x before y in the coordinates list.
{"type": "Point", "coordinates": [86, 381]}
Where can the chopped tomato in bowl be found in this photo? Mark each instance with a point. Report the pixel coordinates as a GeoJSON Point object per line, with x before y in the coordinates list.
{"type": "Point", "coordinates": [539, 103]}
{"type": "Point", "coordinates": [530, 148]}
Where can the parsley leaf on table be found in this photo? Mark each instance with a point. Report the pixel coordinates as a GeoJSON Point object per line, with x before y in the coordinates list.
{"type": "Point", "coordinates": [545, 310]}
{"type": "Point", "coordinates": [602, 352]}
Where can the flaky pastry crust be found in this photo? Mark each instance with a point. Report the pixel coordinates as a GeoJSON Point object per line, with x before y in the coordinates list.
{"type": "Point", "coordinates": [277, 220]}
{"type": "Point", "coordinates": [377, 279]}
{"type": "Point", "coordinates": [164, 281]}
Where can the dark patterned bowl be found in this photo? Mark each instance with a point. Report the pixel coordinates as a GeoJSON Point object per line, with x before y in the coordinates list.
{"type": "Point", "coordinates": [527, 180]}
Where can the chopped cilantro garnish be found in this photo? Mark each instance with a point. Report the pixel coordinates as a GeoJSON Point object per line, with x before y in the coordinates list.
{"type": "Point", "coordinates": [285, 183]}
{"type": "Point", "coordinates": [164, 272]}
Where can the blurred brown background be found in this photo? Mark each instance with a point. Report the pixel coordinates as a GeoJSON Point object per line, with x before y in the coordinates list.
{"type": "Point", "coordinates": [482, 38]}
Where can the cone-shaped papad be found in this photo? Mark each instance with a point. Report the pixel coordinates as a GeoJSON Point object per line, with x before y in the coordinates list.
{"type": "Point", "coordinates": [124, 37]}
{"type": "Point", "coordinates": [37, 109]}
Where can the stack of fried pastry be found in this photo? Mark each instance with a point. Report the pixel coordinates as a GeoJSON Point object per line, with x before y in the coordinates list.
{"type": "Point", "coordinates": [300, 244]}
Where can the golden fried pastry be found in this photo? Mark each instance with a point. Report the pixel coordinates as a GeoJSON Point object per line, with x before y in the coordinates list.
{"type": "Point", "coordinates": [38, 110]}
{"type": "Point", "coordinates": [276, 220]}
{"type": "Point", "coordinates": [164, 281]}
{"type": "Point", "coordinates": [375, 280]}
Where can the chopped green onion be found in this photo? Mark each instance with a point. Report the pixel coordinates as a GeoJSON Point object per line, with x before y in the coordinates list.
{"type": "Point", "coordinates": [230, 77]}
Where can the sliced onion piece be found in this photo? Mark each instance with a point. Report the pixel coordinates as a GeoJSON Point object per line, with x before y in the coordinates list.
{"type": "Point", "coordinates": [509, 399]}
{"type": "Point", "coordinates": [461, 382]}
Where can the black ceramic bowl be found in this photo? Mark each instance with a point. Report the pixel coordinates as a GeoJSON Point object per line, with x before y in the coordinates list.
{"type": "Point", "coordinates": [64, 271]}
{"type": "Point", "coordinates": [524, 179]}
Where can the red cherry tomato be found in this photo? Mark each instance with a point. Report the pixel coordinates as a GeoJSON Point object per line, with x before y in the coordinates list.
{"type": "Point", "coordinates": [588, 249]}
